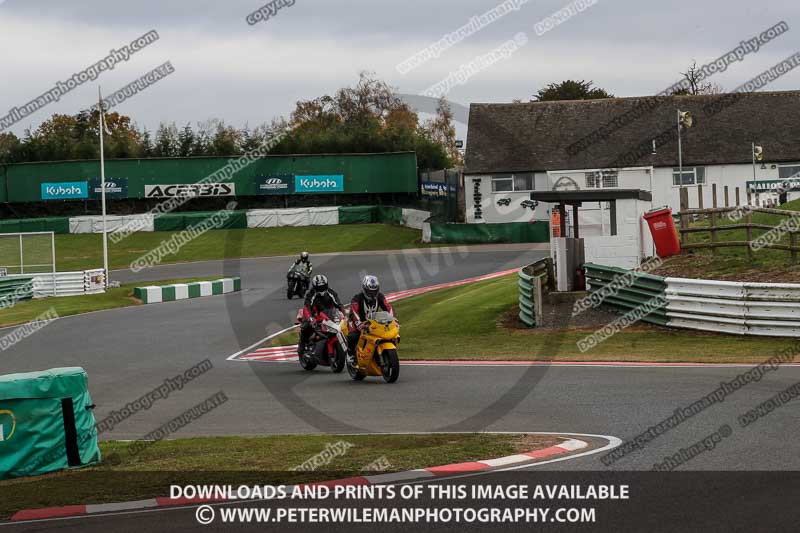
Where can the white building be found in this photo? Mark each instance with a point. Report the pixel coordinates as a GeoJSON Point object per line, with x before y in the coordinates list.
{"type": "Point", "coordinates": [628, 144]}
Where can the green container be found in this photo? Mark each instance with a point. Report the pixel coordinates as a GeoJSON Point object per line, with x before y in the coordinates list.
{"type": "Point", "coordinates": [46, 422]}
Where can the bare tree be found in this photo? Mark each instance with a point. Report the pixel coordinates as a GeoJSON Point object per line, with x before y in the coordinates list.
{"type": "Point", "coordinates": [696, 84]}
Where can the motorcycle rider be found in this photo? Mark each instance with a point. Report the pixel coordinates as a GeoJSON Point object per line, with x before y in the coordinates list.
{"type": "Point", "coordinates": [304, 262]}
{"type": "Point", "coordinates": [363, 304]}
{"type": "Point", "coordinates": [319, 298]}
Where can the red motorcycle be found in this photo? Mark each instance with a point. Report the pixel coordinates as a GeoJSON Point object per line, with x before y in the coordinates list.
{"type": "Point", "coordinates": [327, 345]}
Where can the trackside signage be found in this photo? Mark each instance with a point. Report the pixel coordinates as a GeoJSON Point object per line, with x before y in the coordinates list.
{"type": "Point", "coordinates": [68, 190]}
{"type": "Point", "coordinates": [190, 190]}
{"type": "Point", "coordinates": [115, 188]}
{"type": "Point", "coordinates": [275, 184]}
{"type": "Point", "coordinates": [317, 184]}
{"type": "Point", "coordinates": [773, 185]}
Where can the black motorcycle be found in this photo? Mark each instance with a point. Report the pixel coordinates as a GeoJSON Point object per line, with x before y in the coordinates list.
{"type": "Point", "coordinates": [296, 283]}
{"type": "Point", "coordinates": [327, 345]}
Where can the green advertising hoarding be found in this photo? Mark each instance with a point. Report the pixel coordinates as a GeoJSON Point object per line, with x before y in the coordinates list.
{"type": "Point", "coordinates": [339, 173]}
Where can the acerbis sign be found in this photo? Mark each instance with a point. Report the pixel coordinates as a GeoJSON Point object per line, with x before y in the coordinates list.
{"type": "Point", "coordinates": [308, 184]}
{"type": "Point", "coordinates": [275, 184]}
{"type": "Point", "coordinates": [190, 190]}
{"type": "Point", "coordinates": [68, 190]}
{"type": "Point", "coordinates": [8, 424]}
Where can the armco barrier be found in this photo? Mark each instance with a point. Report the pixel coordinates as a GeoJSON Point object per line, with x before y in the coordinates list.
{"type": "Point", "coordinates": [532, 280]}
{"type": "Point", "coordinates": [68, 283]}
{"type": "Point", "coordinates": [184, 291]}
{"type": "Point", "coordinates": [741, 308]}
{"type": "Point", "coordinates": [14, 289]}
{"type": "Point", "coordinates": [626, 290]}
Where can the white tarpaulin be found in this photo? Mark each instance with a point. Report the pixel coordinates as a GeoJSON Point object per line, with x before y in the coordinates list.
{"type": "Point", "coordinates": [293, 217]}
{"type": "Point", "coordinates": [94, 224]}
{"type": "Point", "coordinates": [324, 216]}
{"type": "Point", "coordinates": [80, 224]}
{"type": "Point", "coordinates": [413, 218]}
{"type": "Point", "coordinates": [262, 218]}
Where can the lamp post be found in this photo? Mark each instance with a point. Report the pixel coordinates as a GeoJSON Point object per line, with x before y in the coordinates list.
{"type": "Point", "coordinates": [103, 186]}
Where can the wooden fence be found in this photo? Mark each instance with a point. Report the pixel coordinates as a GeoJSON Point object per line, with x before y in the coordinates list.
{"type": "Point", "coordinates": [694, 221]}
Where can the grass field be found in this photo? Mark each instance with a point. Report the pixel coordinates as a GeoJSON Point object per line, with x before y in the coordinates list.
{"type": "Point", "coordinates": [733, 263]}
{"type": "Point", "coordinates": [252, 461]}
{"type": "Point", "coordinates": [82, 251]}
{"type": "Point", "coordinates": [465, 323]}
{"type": "Point", "coordinates": [28, 310]}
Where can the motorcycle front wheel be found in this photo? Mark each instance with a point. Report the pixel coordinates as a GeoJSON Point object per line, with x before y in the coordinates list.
{"type": "Point", "coordinates": [307, 362]}
{"type": "Point", "coordinates": [338, 361]}
{"type": "Point", "coordinates": [391, 367]}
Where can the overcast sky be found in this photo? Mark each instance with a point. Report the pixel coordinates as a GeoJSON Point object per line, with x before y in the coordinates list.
{"type": "Point", "coordinates": [226, 68]}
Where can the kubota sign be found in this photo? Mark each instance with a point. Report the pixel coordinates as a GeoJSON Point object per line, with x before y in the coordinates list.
{"type": "Point", "coordinates": [316, 184]}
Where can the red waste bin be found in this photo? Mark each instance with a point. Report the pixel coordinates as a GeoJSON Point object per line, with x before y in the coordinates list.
{"type": "Point", "coordinates": [662, 228]}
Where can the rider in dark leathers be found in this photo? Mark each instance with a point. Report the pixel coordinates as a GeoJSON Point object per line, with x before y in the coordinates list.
{"type": "Point", "coordinates": [319, 298]}
{"type": "Point", "coordinates": [364, 303]}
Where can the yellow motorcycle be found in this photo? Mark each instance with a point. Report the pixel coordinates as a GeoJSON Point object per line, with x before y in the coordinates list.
{"type": "Point", "coordinates": [376, 351]}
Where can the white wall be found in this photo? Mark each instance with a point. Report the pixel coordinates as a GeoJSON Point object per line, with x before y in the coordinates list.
{"type": "Point", "coordinates": [732, 176]}
{"type": "Point", "coordinates": [632, 242]}
{"type": "Point", "coordinates": [492, 213]}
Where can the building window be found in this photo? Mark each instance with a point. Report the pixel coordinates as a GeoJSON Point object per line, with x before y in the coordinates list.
{"type": "Point", "coordinates": [602, 179]}
{"type": "Point", "coordinates": [789, 171]}
{"type": "Point", "coordinates": [691, 176]}
{"type": "Point", "coordinates": [513, 182]}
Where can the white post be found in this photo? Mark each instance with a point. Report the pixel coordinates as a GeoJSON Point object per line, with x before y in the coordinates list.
{"type": "Point", "coordinates": [103, 187]}
{"type": "Point", "coordinates": [21, 260]}
{"type": "Point", "coordinates": [753, 152]}
{"type": "Point", "coordinates": [53, 249]}
{"type": "Point", "coordinates": [680, 152]}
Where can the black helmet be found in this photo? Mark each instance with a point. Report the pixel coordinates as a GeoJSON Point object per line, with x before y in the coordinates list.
{"type": "Point", "coordinates": [370, 286]}
{"type": "Point", "coordinates": [304, 257]}
{"type": "Point", "coordinates": [320, 283]}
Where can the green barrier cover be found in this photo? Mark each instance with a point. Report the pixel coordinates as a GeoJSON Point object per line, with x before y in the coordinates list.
{"type": "Point", "coordinates": [46, 422]}
{"type": "Point", "coordinates": [626, 296]}
{"type": "Point", "coordinates": [23, 225]}
{"type": "Point", "coordinates": [511, 232]}
{"type": "Point", "coordinates": [389, 215]}
{"type": "Point", "coordinates": [358, 215]}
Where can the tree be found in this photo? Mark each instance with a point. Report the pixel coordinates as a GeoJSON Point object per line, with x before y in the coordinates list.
{"type": "Point", "coordinates": [185, 141]}
{"type": "Point", "coordinates": [695, 83]}
{"type": "Point", "coordinates": [166, 144]}
{"type": "Point", "coordinates": [10, 148]}
{"type": "Point", "coordinates": [571, 90]}
{"type": "Point", "coordinates": [443, 131]}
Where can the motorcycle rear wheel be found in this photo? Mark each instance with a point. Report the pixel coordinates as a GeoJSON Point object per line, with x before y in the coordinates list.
{"type": "Point", "coordinates": [355, 375]}
{"type": "Point", "coordinates": [391, 369]}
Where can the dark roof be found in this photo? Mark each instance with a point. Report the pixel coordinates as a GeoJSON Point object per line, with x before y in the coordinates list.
{"type": "Point", "coordinates": [542, 136]}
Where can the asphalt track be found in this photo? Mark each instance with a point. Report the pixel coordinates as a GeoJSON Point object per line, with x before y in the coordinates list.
{"type": "Point", "coordinates": [128, 352]}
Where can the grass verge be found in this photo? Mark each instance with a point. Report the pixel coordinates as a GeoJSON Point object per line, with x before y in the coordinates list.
{"type": "Point", "coordinates": [466, 323]}
{"type": "Point", "coordinates": [733, 264]}
{"type": "Point", "coordinates": [28, 310]}
{"type": "Point", "coordinates": [250, 460]}
{"type": "Point", "coordinates": [81, 251]}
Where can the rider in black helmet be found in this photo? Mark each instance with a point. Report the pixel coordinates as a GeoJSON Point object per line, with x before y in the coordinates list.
{"type": "Point", "coordinates": [319, 298]}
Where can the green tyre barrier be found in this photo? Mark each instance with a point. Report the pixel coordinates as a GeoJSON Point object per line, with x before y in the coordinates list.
{"type": "Point", "coordinates": [184, 291]}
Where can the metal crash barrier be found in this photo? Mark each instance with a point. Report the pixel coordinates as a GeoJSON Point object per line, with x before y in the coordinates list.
{"type": "Point", "coordinates": [533, 280]}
